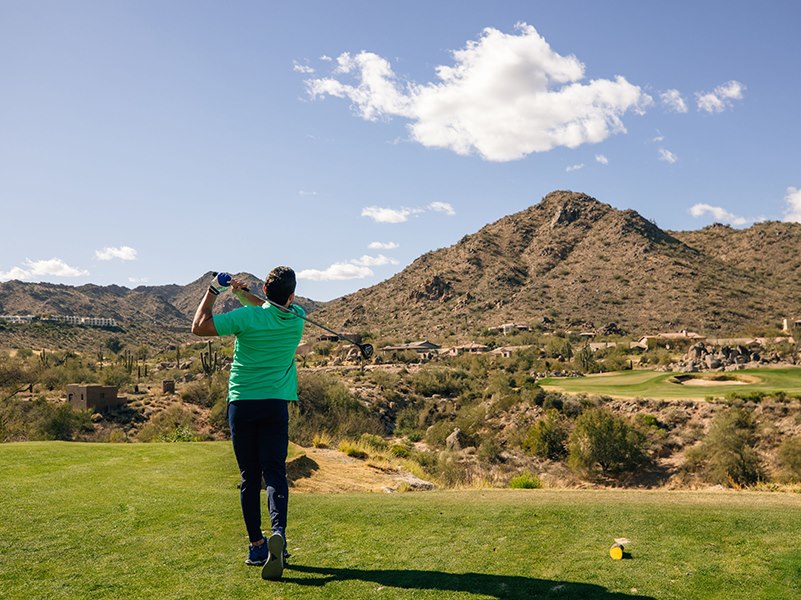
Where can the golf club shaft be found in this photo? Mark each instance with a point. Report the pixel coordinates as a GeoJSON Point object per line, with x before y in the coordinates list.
{"type": "Point", "coordinates": [308, 320]}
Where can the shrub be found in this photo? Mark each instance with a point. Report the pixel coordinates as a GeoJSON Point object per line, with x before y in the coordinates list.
{"type": "Point", "coordinates": [789, 456]}
{"type": "Point", "coordinates": [445, 382]}
{"type": "Point", "coordinates": [603, 442]}
{"type": "Point", "coordinates": [489, 452]}
{"type": "Point", "coordinates": [322, 440]}
{"type": "Point", "coordinates": [171, 425]}
{"type": "Point", "coordinates": [326, 405]}
{"type": "Point", "coordinates": [547, 438]}
{"type": "Point", "coordinates": [373, 441]}
{"type": "Point", "coordinates": [116, 376]}
{"type": "Point", "coordinates": [400, 451]}
{"type": "Point", "coordinates": [525, 481]}
{"type": "Point", "coordinates": [727, 456]}
{"type": "Point", "coordinates": [352, 449]}
{"type": "Point", "coordinates": [63, 422]}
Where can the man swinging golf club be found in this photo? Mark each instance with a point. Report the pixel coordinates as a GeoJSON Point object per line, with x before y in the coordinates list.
{"type": "Point", "coordinates": [262, 382]}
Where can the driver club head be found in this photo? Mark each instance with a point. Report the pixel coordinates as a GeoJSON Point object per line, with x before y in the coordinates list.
{"type": "Point", "coordinates": [367, 350]}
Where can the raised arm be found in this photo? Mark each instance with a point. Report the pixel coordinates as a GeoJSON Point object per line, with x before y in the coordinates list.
{"type": "Point", "coordinates": [243, 295]}
{"type": "Point", "coordinates": [203, 323]}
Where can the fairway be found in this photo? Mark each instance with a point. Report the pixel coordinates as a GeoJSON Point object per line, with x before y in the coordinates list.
{"type": "Point", "coordinates": [162, 520]}
{"type": "Point", "coordinates": [656, 385]}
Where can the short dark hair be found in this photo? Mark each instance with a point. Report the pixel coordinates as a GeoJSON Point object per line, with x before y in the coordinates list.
{"type": "Point", "coordinates": [280, 284]}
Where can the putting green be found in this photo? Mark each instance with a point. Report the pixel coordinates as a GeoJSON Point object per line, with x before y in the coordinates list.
{"type": "Point", "coordinates": [653, 384]}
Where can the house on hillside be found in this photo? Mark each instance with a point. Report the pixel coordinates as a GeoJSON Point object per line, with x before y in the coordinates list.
{"type": "Point", "coordinates": [595, 346]}
{"type": "Point", "coordinates": [420, 347]}
{"type": "Point", "coordinates": [789, 324]}
{"type": "Point", "coordinates": [508, 328]}
{"type": "Point", "coordinates": [93, 396]}
{"type": "Point", "coordinates": [667, 338]}
{"type": "Point", "coordinates": [471, 348]}
{"type": "Point", "coordinates": [507, 351]}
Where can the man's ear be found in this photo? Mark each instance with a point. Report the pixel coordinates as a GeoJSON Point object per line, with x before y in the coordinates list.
{"type": "Point", "coordinates": [264, 287]}
{"type": "Point", "coordinates": [291, 299]}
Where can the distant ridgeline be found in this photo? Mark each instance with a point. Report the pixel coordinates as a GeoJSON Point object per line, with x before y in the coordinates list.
{"type": "Point", "coordinates": [68, 319]}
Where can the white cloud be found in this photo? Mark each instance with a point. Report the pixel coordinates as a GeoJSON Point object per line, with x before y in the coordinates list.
{"type": "Point", "coordinates": [138, 279]}
{"type": "Point", "coordinates": [506, 96]}
{"type": "Point", "coordinates": [793, 200]}
{"type": "Point", "coordinates": [337, 272]}
{"type": "Point", "coordinates": [374, 261]}
{"type": "Point", "coordinates": [386, 215]}
{"type": "Point", "coordinates": [383, 245]}
{"type": "Point", "coordinates": [667, 156]}
{"type": "Point", "coordinates": [658, 137]}
{"type": "Point", "coordinates": [299, 68]}
{"type": "Point", "coordinates": [306, 193]}
{"type": "Point", "coordinates": [720, 214]}
{"type": "Point", "coordinates": [600, 158]}
{"type": "Point", "coordinates": [326, 58]}
{"type": "Point", "coordinates": [54, 267]}
{"type": "Point", "coordinates": [444, 207]}
{"type": "Point", "coordinates": [674, 101]}
{"type": "Point", "coordinates": [123, 253]}
{"type": "Point", "coordinates": [720, 98]}
{"type": "Point", "coordinates": [14, 273]}
{"type": "Point", "coordinates": [572, 168]}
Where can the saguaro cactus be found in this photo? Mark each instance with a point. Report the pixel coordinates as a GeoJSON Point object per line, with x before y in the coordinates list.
{"type": "Point", "coordinates": [209, 361]}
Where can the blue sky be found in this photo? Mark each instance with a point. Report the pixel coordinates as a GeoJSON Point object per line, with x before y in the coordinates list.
{"type": "Point", "coordinates": [148, 142]}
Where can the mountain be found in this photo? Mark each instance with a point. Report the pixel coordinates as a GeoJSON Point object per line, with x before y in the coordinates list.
{"type": "Point", "coordinates": [150, 315]}
{"type": "Point", "coordinates": [581, 263]}
{"type": "Point", "coordinates": [569, 261]}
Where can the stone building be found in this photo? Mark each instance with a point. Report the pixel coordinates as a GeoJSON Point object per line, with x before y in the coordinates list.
{"type": "Point", "coordinates": [93, 396]}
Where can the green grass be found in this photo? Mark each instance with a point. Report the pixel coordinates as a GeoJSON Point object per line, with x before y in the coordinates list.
{"type": "Point", "coordinates": [163, 521]}
{"type": "Point", "coordinates": [651, 384]}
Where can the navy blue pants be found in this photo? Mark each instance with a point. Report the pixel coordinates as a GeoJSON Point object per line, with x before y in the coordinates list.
{"type": "Point", "coordinates": [260, 434]}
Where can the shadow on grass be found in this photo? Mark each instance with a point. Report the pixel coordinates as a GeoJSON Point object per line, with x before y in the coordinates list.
{"type": "Point", "coordinates": [506, 587]}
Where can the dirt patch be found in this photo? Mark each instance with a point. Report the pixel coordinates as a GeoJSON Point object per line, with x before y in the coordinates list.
{"type": "Point", "coordinates": [326, 471]}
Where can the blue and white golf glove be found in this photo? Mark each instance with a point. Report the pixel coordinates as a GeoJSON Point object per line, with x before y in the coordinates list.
{"type": "Point", "coordinates": [219, 283]}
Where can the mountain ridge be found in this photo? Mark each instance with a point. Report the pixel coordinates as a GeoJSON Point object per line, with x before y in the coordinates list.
{"type": "Point", "coordinates": [568, 261]}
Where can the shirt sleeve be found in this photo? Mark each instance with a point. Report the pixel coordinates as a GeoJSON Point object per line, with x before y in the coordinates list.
{"type": "Point", "coordinates": [231, 323]}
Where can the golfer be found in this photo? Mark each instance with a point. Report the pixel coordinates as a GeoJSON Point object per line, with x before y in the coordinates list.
{"type": "Point", "coordinates": [262, 383]}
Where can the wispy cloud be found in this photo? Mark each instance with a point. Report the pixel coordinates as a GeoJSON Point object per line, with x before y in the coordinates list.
{"type": "Point", "coordinates": [793, 200]}
{"type": "Point", "coordinates": [443, 207]}
{"type": "Point", "coordinates": [674, 101]}
{"type": "Point", "coordinates": [504, 97]}
{"type": "Point", "coordinates": [138, 280]}
{"type": "Point", "coordinates": [374, 261]}
{"type": "Point", "coordinates": [336, 272]}
{"type": "Point", "coordinates": [658, 137]}
{"type": "Point", "coordinates": [720, 214]}
{"type": "Point", "coordinates": [600, 158]}
{"type": "Point", "coordinates": [386, 215]}
{"type": "Point", "coordinates": [358, 268]}
{"type": "Point", "coordinates": [667, 156]}
{"type": "Point", "coordinates": [306, 193]}
{"type": "Point", "coordinates": [572, 168]}
{"type": "Point", "coordinates": [401, 215]}
{"type": "Point", "coordinates": [110, 253]}
{"type": "Point", "coordinates": [383, 245]}
{"type": "Point", "coordinates": [301, 68]}
{"type": "Point", "coordinates": [53, 267]}
{"type": "Point", "coordinates": [720, 98]}
{"type": "Point", "coordinates": [14, 273]}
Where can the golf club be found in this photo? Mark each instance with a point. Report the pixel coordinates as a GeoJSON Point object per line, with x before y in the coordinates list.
{"type": "Point", "coordinates": [365, 349]}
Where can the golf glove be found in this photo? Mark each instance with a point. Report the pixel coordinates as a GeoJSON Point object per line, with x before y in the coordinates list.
{"type": "Point", "coordinates": [219, 283]}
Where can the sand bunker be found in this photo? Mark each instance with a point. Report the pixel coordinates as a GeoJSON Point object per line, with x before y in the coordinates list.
{"type": "Point", "coordinates": [716, 380]}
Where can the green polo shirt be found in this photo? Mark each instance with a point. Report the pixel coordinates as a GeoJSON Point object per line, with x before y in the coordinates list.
{"type": "Point", "coordinates": [264, 352]}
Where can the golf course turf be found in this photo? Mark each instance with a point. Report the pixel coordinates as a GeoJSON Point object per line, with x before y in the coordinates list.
{"type": "Point", "coordinates": [667, 386]}
{"type": "Point", "coordinates": [163, 521]}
